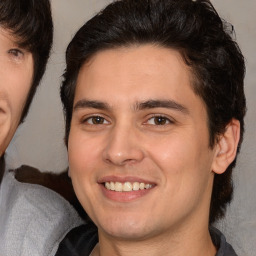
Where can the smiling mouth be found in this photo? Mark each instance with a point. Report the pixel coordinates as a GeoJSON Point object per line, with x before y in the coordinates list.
{"type": "Point", "coordinates": [127, 186]}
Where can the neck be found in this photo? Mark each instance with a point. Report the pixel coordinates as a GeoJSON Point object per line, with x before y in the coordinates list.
{"type": "Point", "coordinates": [192, 241]}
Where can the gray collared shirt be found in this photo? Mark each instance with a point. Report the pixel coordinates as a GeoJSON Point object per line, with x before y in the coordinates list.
{"type": "Point", "coordinates": [33, 219]}
{"type": "Point", "coordinates": [219, 240]}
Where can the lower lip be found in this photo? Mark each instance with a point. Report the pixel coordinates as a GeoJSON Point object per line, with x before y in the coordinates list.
{"type": "Point", "coordinates": [124, 196]}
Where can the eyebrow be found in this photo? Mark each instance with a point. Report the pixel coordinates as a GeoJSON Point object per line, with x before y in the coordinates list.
{"type": "Point", "coordinates": [149, 104]}
{"type": "Point", "coordinates": [170, 104]}
{"type": "Point", "coordinates": [91, 104]}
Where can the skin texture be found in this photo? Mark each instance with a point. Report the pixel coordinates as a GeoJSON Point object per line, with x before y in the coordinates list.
{"type": "Point", "coordinates": [16, 71]}
{"type": "Point", "coordinates": [134, 135]}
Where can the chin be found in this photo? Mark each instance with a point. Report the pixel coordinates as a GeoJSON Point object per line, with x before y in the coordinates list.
{"type": "Point", "coordinates": [125, 228]}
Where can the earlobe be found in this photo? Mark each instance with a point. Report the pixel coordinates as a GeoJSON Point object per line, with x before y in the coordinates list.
{"type": "Point", "coordinates": [226, 147]}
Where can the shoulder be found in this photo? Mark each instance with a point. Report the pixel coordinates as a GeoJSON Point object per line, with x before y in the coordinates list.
{"type": "Point", "coordinates": [33, 219]}
{"type": "Point", "coordinates": [79, 241]}
{"type": "Point", "coordinates": [219, 240]}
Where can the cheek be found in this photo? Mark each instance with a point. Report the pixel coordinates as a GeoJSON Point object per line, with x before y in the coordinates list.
{"type": "Point", "coordinates": [184, 160]}
{"type": "Point", "coordinates": [83, 159]}
{"type": "Point", "coordinates": [172, 153]}
{"type": "Point", "coordinates": [83, 154]}
{"type": "Point", "coordinates": [186, 175]}
{"type": "Point", "coordinates": [19, 88]}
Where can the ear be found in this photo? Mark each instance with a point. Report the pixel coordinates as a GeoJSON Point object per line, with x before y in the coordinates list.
{"type": "Point", "coordinates": [226, 147]}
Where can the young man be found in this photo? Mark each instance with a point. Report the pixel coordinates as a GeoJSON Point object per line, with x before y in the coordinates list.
{"type": "Point", "coordinates": [154, 103]}
{"type": "Point", "coordinates": [30, 216]}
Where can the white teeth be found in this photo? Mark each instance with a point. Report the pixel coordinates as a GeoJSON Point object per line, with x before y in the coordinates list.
{"type": "Point", "coordinates": [147, 186]}
{"type": "Point", "coordinates": [142, 186]}
{"type": "Point", "coordinates": [136, 186]}
{"type": "Point", "coordinates": [107, 185]}
{"type": "Point", "coordinates": [118, 186]}
{"type": "Point", "coordinates": [127, 186]}
{"type": "Point", "coordinates": [112, 185]}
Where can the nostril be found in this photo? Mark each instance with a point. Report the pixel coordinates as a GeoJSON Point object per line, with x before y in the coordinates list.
{"type": "Point", "coordinates": [121, 150]}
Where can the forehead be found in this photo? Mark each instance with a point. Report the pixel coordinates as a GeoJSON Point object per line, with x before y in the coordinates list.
{"type": "Point", "coordinates": [150, 56]}
{"type": "Point", "coordinates": [143, 69]}
{"type": "Point", "coordinates": [7, 37]}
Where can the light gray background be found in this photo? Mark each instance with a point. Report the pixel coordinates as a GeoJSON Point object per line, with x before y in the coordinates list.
{"type": "Point", "coordinates": [39, 141]}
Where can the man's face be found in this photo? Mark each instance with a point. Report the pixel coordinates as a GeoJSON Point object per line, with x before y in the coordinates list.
{"type": "Point", "coordinates": [16, 70]}
{"type": "Point", "coordinates": [138, 147]}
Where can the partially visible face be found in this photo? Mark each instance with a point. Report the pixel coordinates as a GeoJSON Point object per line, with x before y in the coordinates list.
{"type": "Point", "coordinates": [139, 153]}
{"type": "Point", "coordinates": [16, 71]}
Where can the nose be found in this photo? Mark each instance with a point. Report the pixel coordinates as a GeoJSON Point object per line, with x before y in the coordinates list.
{"type": "Point", "coordinates": [123, 146]}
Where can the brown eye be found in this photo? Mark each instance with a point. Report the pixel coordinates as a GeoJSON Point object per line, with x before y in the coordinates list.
{"type": "Point", "coordinates": [159, 120]}
{"type": "Point", "coordinates": [97, 120]}
{"type": "Point", "coordinates": [16, 53]}
{"type": "Point", "coordinates": [94, 120]}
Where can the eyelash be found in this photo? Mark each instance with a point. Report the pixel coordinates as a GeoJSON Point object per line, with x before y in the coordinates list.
{"type": "Point", "coordinates": [166, 120]}
{"type": "Point", "coordinates": [86, 120]}
{"type": "Point", "coordinates": [102, 121]}
{"type": "Point", "coordinates": [16, 53]}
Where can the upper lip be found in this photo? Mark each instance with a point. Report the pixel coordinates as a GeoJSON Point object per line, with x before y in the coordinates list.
{"type": "Point", "coordinates": [123, 179]}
